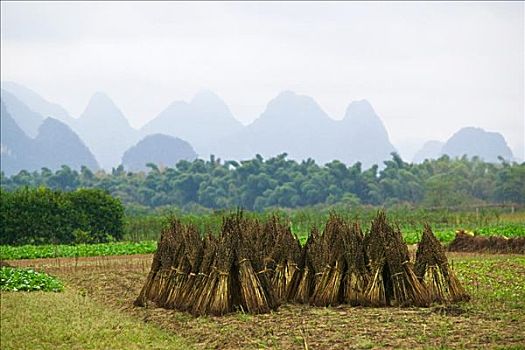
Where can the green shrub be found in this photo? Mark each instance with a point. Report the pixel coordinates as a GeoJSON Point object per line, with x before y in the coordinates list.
{"type": "Point", "coordinates": [35, 216]}
{"type": "Point", "coordinates": [40, 216]}
{"type": "Point", "coordinates": [15, 279]}
{"type": "Point", "coordinates": [98, 213]}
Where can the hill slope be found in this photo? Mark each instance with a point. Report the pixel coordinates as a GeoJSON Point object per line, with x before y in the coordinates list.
{"type": "Point", "coordinates": [430, 150]}
{"type": "Point", "coordinates": [205, 119]}
{"type": "Point", "coordinates": [105, 130]}
{"type": "Point", "coordinates": [28, 120]}
{"type": "Point", "coordinates": [37, 103]}
{"type": "Point", "coordinates": [55, 145]}
{"type": "Point", "coordinates": [477, 142]}
{"type": "Point", "coordinates": [297, 125]}
{"type": "Point", "coordinates": [158, 149]}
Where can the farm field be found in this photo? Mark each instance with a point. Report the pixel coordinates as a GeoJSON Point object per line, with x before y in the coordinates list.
{"type": "Point", "coordinates": [411, 236]}
{"type": "Point", "coordinates": [444, 223]}
{"type": "Point", "coordinates": [99, 293]}
{"type": "Point", "coordinates": [143, 232]}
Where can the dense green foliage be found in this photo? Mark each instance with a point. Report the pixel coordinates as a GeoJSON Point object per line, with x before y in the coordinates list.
{"type": "Point", "coordinates": [257, 184]}
{"type": "Point", "coordinates": [15, 279]}
{"type": "Point", "coordinates": [79, 250]}
{"type": "Point", "coordinates": [41, 215]}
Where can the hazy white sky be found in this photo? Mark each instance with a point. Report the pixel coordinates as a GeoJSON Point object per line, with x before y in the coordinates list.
{"type": "Point", "coordinates": [428, 68]}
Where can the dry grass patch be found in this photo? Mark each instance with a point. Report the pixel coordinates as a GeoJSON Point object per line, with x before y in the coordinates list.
{"type": "Point", "coordinates": [70, 320]}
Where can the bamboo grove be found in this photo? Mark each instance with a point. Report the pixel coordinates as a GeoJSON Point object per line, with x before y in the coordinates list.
{"type": "Point", "coordinates": [255, 266]}
{"type": "Point", "coordinates": [258, 184]}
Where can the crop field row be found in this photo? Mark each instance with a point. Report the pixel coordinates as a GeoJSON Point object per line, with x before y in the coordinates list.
{"type": "Point", "coordinates": [411, 235]}
{"type": "Point", "coordinates": [79, 250]}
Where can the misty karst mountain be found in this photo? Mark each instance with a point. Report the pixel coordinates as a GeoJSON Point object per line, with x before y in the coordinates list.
{"type": "Point", "coordinates": [37, 103]}
{"type": "Point", "coordinates": [16, 148]}
{"type": "Point", "coordinates": [28, 120]}
{"type": "Point", "coordinates": [297, 125]}
{"type": "Point", "coordinates": [430, 150]}
{"type": "Point", "coordinates": [469, 141]}
{"type": "Point", "coordinates": [291, 123]}
{"type": "Point", "coordinates": [477, 142]}
{"type": "Point", "coordinates": [102, 126]}
{"type": "Point", "coordinates": [158, 149]}
{"type": "Point", "coordinates": [55, 144]}
{"type": "Point", "coordinates": [202, 121]}
{"type": "Point", "coordinates": [105, 130]}
{"type": "Point", "coordinates": [362, 136]}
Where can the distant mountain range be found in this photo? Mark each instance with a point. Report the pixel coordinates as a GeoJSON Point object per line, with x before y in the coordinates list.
{"type": "Point", "coordinates": [37, 103]}
{"type": "Point", "coordinates": [55, 144]}
{"type": "Point", "coordinates": [204, 121]}
{"type": "Point", "coordinates": [291, 123]}
{"type": "Point", "coordinates": [469, 141]}
{"type": "Point", "coordinates": [105, 130]}
{"type": "Point", "coordinates": [297, 125]}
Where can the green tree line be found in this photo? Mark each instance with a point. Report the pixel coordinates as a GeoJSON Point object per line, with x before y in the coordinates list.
{"type": "Point", "coordinates": [258, 184]}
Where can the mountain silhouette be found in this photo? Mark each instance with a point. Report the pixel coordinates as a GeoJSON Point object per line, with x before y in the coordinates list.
{"type": "Point", "coordinates": [430, 150]}
{"type": "Point", "coordinates": [362, 136]}
{"type": "Point", "coordinates": [297, 125]}
{"type": "Point", "coordinates": [28, 120]}
{"type": "Point", "coordinates": [472, 141]}
{"type": "Point", "coordinates": [291, 123]}
{"type": "Point", "coordinates": [16, 148]}
{"type": "Point", "coordinates": [158, 149]}
{"type": "Point", "coordinates": [55, 145]}
{"type": "Point", "coordinates": [37, 103]}
{"type": "Point", "coordinates": [105, 130]}
{"type": "Point", "coordinates": [205, 119]}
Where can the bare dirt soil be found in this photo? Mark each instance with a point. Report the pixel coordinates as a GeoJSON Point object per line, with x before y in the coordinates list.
{"type": "Point", "coordinates": [490, 320]}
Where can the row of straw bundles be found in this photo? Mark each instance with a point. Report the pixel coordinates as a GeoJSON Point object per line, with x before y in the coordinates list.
{"type": "Point", "coordinates": [218, 274]}
{"type": "Point", "coordinates": [254, 266]}
{"type": "Point", "coordinates": [340, 265]}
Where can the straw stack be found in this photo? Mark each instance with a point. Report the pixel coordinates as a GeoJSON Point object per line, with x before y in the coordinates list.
{"type": "Point", "coordinates": [356, 275]}
{"type": "Point", "coordinates": [146, 291]}
{"type": "Point", "coordinates": [286, 254]}
{"type": "Point", "coordinates": [393, 281]}
{"type": "Point", "coordinates": [432, 269]}
{"type": "Point", "coordinates": [329, 265]}
{"type": "Point", "coordinates": [302, 283]}
{"type": "Point", "coordinates": [200, 298]}
{"type": "Point", "coordinates": [254, 267]}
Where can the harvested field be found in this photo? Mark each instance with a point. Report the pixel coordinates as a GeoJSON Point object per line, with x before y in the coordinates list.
{"type": "Point", "coordinates": [492, 319]}
{"type": "Point", "coordinates": [465, 242]}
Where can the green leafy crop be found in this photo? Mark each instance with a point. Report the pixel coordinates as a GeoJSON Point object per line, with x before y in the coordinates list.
{"type": "Point", "coordinates": [79, 250]}
{"type": "Point", "coordinates": [16, 279]}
